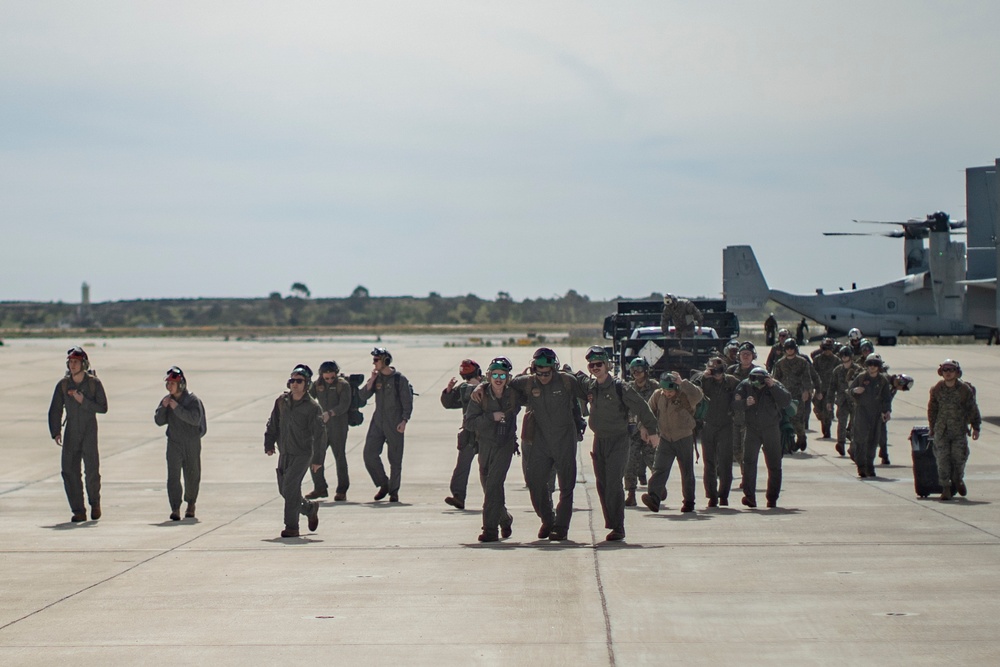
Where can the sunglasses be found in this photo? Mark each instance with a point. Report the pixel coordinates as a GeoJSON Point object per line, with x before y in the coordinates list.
{"type": "Point", "coordinates": [949, 369]}
{"type": "Point", "coordinates": [543, 374]}
{"type": "Point", "coordinates": [595, 364]}
{"type": "Point", "coordinates": [296, 381]}
{"type": "Point", "coordinates": [498, 376]}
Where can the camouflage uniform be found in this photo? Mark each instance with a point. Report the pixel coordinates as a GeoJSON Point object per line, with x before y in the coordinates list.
{"type": "Point", "coordinates": [836, 395]}
{"type": "Point", "coordinates": [824, 364]}
{"type": "Point", "coordinates": [950, 413]}
{"type": "Point", "coordinates": [640, 454]}
{"type": "Point", "coordinates": [683, 314]}
{"type": "Point", "coordinates": [868, 410]}
{"type": "Point", "coordinates": [796, 375]}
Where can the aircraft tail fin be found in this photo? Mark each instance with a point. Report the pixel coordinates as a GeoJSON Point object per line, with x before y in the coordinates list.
{"type": "Point", "coordinates": [743, 283]}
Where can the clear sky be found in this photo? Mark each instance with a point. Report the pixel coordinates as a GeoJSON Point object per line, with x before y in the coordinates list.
{"type": "Point", "coordinates": [184, 149]}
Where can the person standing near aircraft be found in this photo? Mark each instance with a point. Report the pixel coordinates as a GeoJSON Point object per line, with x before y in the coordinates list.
{"type": "Point", "coordinates": [952, 412]}
{"type": "Point", "coordinates": [800, 332]}
{"type": "Point", "coordinates": [770, 329]}
{"type": "Point", "coordinates": [824, 361]}
{"type": "Point", "coordinates": [759, 401]}
{"type": "Point", "coordinates": [777, 350]}
{"type": "Point", "coordinates": [796, 375]}
{"type": "Point", "coordinates": [836, 395]}
{"type": "Point", "coordinates": [719, 388]}
{"type": "Point", "coordinates": [871, 395]}
{"type": "Point", "coordinates": [81, 395]}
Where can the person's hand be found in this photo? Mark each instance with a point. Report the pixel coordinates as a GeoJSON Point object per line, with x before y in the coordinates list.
{"type": "Point", "coordinates": [859, 390]}
{"type": "Point", "coordinates": [269, 452]}
{"type": "Point", "coordinates": [805, 396]}
{"type": "Point", "coordinates": [769, 381]}
{"type": "Point", "coordinates": [975, 434]}
{"type": "Point", "coordinates": [654, 440]}
{"type": "Point", "coordinates": [751, 401]}
{"type": "Point", "coordinates": [173, 404]}
{"type": "Point", "coordinates": [498, 416]}
{"type": "Point", "coordinates": [886, 416]}
{"type": "Point", "coordinates": [829, 407]}
{"type": "Point", "coordinates": [401, 426]}
{"type": "Point", "coordinates": [326, 417]}
{"type": "Point", "coordinates": [451, 384]}
{"type": "Point", "coordinates": [77, 396]}
{"type": "Point", "coordinates": [58, 440]}
{"type": "Point", "coordinates": [166, 401]}
{"type": "Point", "coordinates": [315, 467]}
{"type": "Point", "coordinates": [477, 393]}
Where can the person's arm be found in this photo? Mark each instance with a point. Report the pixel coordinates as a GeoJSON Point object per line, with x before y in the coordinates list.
{"type": "Point", "coordinates": [640, 408]}
{"type": "Point", "coordinates": [932, 409]}
{"type": "Point", "coordinates": [317, 433]}
{"type": "Point", "coordinates": [451, 397]}
{"type": "Point", "coordinates": [160, 416]}
{"type": "Point", "coordinates": [343, 398]}
{"type": "Point", "coordinates": [780, 395]}
{"type": "Point", "coordinates": [56, 412]}
{"type": "Point", "coordinates": [273, 428]}
{"type": "Point", "coordinates": [99, 404]}
{"type": "Point", "coordinates": [476, 418]}
{"type": "Point", "coordinates": [405, 396]}
{"type": "Point", "coordinates": [189, 413]}
{"type": "Point", "coordinates": [693, 393]}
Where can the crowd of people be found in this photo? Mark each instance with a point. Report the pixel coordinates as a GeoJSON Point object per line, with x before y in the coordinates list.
{"type": "Point", "coordinates": [734, 408]}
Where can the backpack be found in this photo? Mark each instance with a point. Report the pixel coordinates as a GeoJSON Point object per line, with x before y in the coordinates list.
{"type": "Point", "coordinates": [354, 415]}
{"type": "Point", "coordinates": [701, 410]}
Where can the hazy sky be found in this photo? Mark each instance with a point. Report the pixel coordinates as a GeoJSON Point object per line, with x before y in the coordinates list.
{"type": "Point", "coordinates": [182, 149]}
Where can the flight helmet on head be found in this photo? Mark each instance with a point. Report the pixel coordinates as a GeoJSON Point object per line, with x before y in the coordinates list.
{"type": "Point", "coordinates": [383, 354]}
{"type": "Point", "coordinates": [854, 334]}
{"type": "Point", "coordinates": [77, 352]}
{"type": "Point", "coordinates": [543, 356]}
{"type": "Point", "coordinates": [469, 369]}
{"type": "Point", "coordinates": [949, 364]}
{"type": "Point", "coordinates": [175, 374]}
{"type": "Point", "coordinates": [873, 360]}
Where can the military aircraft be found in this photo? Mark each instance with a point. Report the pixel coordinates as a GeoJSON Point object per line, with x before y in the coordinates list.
{"type": "Point", "coordinates": [928, 301]}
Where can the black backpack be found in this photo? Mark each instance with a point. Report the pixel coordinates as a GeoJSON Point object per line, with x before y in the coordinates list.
{"type": "Point", "coordinates": [354, 415]}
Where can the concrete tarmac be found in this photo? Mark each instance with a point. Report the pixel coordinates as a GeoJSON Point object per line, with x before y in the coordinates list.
{"type": "Point", "coordinates": [844, 571]}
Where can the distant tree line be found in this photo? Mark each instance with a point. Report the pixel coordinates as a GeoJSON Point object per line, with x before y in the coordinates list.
{"type": "Point", "coordinates": [297, 310]}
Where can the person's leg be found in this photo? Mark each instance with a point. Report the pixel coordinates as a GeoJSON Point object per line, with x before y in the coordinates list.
{"type": "Point", "coordinates": [175, 463]}
{"type": "Point", "coordinates": [72, 456]}
{"type": "Point", "coordinates": [395, 446]}
{"type": "Point", "coordinates": [372, 455]}
{"type": "Point", "coordinates": [192, 473]}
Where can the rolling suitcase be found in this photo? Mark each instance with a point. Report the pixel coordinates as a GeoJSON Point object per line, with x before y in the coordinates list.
{"type": "Point", "coordinates": [925, 473]}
